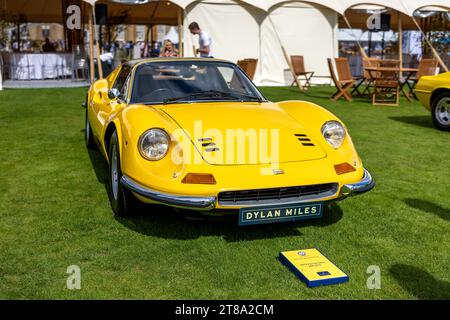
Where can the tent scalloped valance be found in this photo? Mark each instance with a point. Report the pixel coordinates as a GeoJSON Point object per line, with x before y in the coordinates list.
{"type": "Point", "coordinates": [405, 6]}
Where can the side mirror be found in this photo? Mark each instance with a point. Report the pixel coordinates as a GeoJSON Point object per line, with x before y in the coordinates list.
{"type": "Point", "coordinates": [113, 94]}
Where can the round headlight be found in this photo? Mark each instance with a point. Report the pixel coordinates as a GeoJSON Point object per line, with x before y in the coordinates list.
{"type": "Point", "coordinates": [334, 133]}
{"type": "Point", "coordinates": [154, 144]}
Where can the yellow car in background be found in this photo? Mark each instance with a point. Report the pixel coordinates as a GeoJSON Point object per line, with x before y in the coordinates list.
{"type": "Point", "coordinates": [434, 93]}
{"type": "Point", "coordinates": [197, 134]}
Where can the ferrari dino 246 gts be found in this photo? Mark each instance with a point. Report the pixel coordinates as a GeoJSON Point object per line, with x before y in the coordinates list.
{"type": "Point", "coordinates": [197, 134]}
{"type": "Point", "coordinates": [434, 93]}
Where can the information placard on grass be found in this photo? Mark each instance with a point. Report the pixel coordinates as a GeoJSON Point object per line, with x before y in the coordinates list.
{"type": "Point", "coordinates": [312, 267]}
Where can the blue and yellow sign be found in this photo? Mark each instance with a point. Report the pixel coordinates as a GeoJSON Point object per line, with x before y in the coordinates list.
{"type": "Point", "coordinates": [312, 267]}
{"type": "Point", "coordinates": [280, 213]}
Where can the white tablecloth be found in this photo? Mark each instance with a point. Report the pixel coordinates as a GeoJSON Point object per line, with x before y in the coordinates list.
{"type": "Point", "coordinates": [24, 66]}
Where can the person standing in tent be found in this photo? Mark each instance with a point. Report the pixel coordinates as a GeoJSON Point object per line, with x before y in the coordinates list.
{"type": "Point", "coordinates": [204, 40]}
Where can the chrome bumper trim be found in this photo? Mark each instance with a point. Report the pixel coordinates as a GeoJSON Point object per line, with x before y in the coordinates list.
{"type": "Point", "coordinates": [186, 202]}
{"type": "Point", "coordinates": [366, 184]}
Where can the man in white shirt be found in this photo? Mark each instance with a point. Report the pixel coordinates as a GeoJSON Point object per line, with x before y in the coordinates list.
{"type": "Point", "coordinates": [204, 40]}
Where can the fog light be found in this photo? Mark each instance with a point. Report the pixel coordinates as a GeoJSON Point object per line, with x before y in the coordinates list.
{"type": "Point", "coordinates": [199, 178]}
{"type": "Point", "coordinates": [342, 168]}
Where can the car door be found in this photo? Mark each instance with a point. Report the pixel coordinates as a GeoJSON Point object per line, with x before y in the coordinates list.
{"type": "Point", "coordinates": [103, 106]}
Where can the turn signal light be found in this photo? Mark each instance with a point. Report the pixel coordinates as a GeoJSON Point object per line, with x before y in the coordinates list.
{"type": "Point", "coordinates": [199, 178]}
{"type": "Point", "coordinates": [342, 168]}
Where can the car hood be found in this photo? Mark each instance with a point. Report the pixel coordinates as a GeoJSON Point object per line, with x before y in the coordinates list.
{"type": "Point", "coordinates": [238, 133]}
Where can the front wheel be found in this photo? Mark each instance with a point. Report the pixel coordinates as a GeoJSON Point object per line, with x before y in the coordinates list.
{"type": "Point", "coordinates": [122, 200]}
{"type": "Point", "coordinates": [440, 112]}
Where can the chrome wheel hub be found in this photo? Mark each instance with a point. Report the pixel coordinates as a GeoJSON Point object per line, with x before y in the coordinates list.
{"type": "Point", "coordinates": [442, 111]}
{"type": "Point", "coordinates": [114, 174]}
{"type": "Point", "coordinates": [88, 129]}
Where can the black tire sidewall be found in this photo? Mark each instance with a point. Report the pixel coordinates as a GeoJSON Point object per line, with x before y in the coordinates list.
{"type": "Point", "coordinates": [88, 136]}
{"type": "Point", "coordinates": [125, 202]}
{"type": "Point", "coordinates": [436, 123]}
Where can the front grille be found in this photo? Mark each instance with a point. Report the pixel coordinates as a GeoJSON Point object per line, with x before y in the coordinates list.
{"type": "Point", "coordinates": [274, 195]}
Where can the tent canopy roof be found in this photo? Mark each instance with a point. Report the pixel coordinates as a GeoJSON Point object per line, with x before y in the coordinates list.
{"type": "Point", "coordinates": [405, 6]}
{"type": "Point", "coordinates": [166, 12]}
{"type": "Point", "coordinates": [48, 11]}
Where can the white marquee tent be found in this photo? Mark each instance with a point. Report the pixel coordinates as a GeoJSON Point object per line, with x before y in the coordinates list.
{"type": "Point", "coordinates": [254, 29]}
{"type": "Point", "coordinates": [259, 28]}
{"type": "Point", "coordinates": [240, 30]}
{"type": "Point", "coordinates": [251, 28]}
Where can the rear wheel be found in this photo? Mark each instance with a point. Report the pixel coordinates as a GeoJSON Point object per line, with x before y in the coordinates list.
{"type": "Point", "coordinates": [122, 200]}
{"type": "Point", "coordinates": [440, 112]}
{"type": "Point", "coordinates": [88, 136]}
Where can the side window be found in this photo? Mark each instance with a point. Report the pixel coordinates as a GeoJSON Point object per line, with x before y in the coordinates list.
{"type": "Point", "coordinates": [122, 78]}
{"type": "Point", "coordinates": [124, 90]}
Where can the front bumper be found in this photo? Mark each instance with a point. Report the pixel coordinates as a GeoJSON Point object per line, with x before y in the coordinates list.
{"type": "Point", "coordinates": [207, 203]}
{"type": "Point", "coordinates": [366, 184]}
{"type": "Point", "coordinates": [186, 202]}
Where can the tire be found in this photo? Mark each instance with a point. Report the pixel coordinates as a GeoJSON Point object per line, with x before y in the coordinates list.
{"type": "Point", "coordinates": [440, 112]}
{"type": "Point", "coordinates": [88, 136]}
{"type": "Point", "coordinates": [123, 202]}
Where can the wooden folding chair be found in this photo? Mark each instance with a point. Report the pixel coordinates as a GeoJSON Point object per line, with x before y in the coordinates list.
{"type": "Point", "coordinates": [427, 67]}
{"type": "Point", "coordinates": [343, 86]}
{"type": "Point", "coordinates": [298, 64]}
{"type": "Point", "coordinates": [345, 74]}
{"type": "Point", "coordinates": [367, 79]}
{"type": "Point", "coordinates": [248, 66]}
{"type": "Point", "coordinates": [386, 86]}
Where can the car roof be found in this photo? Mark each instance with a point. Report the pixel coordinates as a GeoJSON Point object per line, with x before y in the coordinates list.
{"type": "Point", "coordinates": [133, 63]}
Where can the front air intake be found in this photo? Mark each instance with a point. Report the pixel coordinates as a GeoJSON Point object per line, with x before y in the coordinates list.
{"type": "Point", "coordinates": [277, 195]}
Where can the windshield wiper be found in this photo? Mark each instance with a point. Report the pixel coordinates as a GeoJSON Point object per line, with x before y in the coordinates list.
{"type": "Point", "coordinates": [248, 96]}
{"type": "Point", "coordinates": [209, 93]}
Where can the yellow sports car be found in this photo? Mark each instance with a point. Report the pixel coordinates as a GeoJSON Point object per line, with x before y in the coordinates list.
{"type": "Point", "coordinates": [197, 134]}
{"type": "Point", "coordinates": [434, 93]}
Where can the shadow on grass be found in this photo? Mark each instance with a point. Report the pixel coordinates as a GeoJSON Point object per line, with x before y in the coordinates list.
{"type": "Point", "coordinates": [100, 166]}
{"type": "Point", "coordinates": [170, 223]}
{"type": "Point", "coordinates": [420, 283]}
{"type": "Point", "coordinates": [430, 207]}
{"type": "Point", "coordinates": [421, 121]}
{"type": "Point", "coordinates": [166, 222]}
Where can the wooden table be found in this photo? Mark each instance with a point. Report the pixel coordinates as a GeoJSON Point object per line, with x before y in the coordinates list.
{"type": "Point", "coordinates": [409, 71]}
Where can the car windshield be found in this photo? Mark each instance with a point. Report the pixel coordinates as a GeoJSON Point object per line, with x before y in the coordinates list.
{"type": "Point", "coordinates": [165, 82]}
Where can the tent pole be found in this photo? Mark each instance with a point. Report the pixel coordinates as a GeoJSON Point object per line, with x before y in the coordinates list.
{"type": "Point", "coordinates": [436, 55]}
{"type": "Point", "coordinates": [400, 43]}
{"type": "Point", "coordinates": [286, 56]}
{"type": "Point", "coordinates": [145, 53]}
{"type": "Point", "coordinates": [18, 36]}
{"type": "Point", "coordinates": [363, 52]}
{"type": "Point", "coordinates": [180, 33]}
{"type": "Point", "coordinates": [194, 51]}
{"type": "Point", "coordinates": [91, 50]}
{"type": "Point", "coordinates": [1, 74]}
{"type": "Point", "coordinates": [97, 47]}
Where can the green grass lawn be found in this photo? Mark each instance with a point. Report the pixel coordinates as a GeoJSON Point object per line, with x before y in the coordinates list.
{"type": "Point", "coordinates": [54, 212]}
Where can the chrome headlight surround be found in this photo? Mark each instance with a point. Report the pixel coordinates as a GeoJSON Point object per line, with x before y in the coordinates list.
{"type": "Point", "coordinates": [334, 132]}
{"type": "Point", "coordinates": [154, 144]}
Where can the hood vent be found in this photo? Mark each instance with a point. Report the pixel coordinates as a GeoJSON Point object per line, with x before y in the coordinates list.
{"type": "Point", "coordinates": [208, 145]}
{"type": "Point", "coordinates": [303, 138]}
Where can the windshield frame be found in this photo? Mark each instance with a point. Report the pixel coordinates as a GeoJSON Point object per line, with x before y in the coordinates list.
{"type": "Point", "coordinates": [259, 97]}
